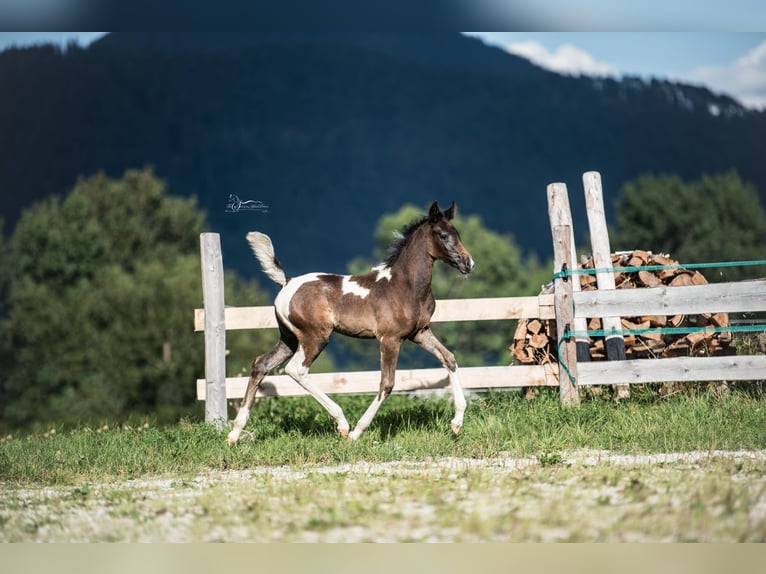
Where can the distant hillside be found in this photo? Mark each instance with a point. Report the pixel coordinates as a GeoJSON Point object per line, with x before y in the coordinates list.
{"type": "Point", "coordinates": [331, 131]}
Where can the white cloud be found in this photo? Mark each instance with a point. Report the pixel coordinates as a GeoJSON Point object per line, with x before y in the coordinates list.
{"type": "Point", "coordinates": [744, 79]}
{"type": "Point", "coordinates": [566, 59]}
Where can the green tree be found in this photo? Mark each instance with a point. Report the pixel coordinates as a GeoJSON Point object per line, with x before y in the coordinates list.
{"type": "Point", "coordinates": [102, 288]}
{"type": "Point", "coordinates": [718, 218]}
{"type": "Point", "coordinates": [501, 271]}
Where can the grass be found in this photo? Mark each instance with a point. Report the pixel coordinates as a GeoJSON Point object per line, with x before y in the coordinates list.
{"type": "Point", "coordinates": [297, 432]}
{"type": "Point", "coordinates": [515, 473]}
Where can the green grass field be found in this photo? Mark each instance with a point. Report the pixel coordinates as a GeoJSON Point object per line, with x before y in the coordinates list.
{"type": "Point", "coordinates": [517, 472]}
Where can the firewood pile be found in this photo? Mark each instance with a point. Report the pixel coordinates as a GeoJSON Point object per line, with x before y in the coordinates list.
{"type": "Point", "coordinates": [535, 340]}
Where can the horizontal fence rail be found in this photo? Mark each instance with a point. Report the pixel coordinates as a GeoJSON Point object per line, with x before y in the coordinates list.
{"type": "Point", "coordinates": [677, 369]}
{"type": "Point", "coordinates": [740, 297]}
{"type": "Point", "coordinates": [486, 309]}
{"type": "Point", "coordinates": [359, 382]}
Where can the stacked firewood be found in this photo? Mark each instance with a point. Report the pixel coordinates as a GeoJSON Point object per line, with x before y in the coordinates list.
{"type": "Point", "coordinates": [535, 340]}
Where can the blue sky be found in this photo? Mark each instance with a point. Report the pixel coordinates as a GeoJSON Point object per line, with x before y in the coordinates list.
{"type": "Point", "coordinates": [728, 62]}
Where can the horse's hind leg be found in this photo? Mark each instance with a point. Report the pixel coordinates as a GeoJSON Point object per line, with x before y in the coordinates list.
{"type": "Point", "coordinates": [389, 353]}
{"type": "Point", "coordinates": [261, 366]}
{"type": "Point", "coordinates": [309, 349]}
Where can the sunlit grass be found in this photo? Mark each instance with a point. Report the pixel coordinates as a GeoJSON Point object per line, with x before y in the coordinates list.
{"type": "Point", "coordinates": [297, 432]}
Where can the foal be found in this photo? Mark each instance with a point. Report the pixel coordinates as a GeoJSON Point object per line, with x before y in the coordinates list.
{"type": "Point", "coordinates": [391, 303]}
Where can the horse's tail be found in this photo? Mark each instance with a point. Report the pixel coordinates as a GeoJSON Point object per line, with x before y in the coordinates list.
{"type": "Point", "coordinates": [264, 251]}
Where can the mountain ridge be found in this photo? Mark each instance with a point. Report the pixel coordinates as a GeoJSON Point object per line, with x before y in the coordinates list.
{"type": "Point", "coordinates": [330, 131]}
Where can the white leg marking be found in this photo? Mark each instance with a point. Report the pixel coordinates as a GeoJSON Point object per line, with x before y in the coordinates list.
{"type": "Point", "coordinates": [459, 398]}
{"type": "Point", "coordinates": [366, 419]}
{"type": "Point", "coordinates": [351, 287]}
{"type": "Point", "coordinates": [299, 373]}
{"type": "Point", "coordinates": [239, 424]}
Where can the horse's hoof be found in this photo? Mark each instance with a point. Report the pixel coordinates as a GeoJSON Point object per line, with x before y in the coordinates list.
{"type": "Point", "coordinates": [455, 427]}
{"type": "Point", "coordinates": [231, 441]}
{"type": "Point", "coordinates": [343, 432]}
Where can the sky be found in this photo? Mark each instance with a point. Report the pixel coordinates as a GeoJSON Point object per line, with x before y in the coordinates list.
{"type": "Point", "coordinates": [733, 63]}
{"type": "Point", "coordinates": [726, 62]}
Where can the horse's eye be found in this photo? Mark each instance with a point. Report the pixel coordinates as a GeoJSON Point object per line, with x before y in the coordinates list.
{"type": "Point", "coordinates": [443, 235]}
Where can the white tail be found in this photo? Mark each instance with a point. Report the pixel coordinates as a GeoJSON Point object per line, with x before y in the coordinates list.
{"type": "Point", "coordinates": [264, 251]}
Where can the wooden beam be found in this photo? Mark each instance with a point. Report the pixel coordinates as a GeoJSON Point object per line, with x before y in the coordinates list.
{"type": "Point", "coordinates": [215, 329]}
{"type": "Point", "coordinates": [406, 380]}
{"type": "Point", "coordinates": [480, 309]}
{"type": "Point", "coordinates": [559, 213]}
{"type": "Point", "coordinates": [602, 257]}
{"type": "Point", "coordinates": [562, 291]}
{"type": "Point", "coordinates": [684, 369]}
{"type": "Point", "coordinates": [493, 308]}
{"type": "Point", "coordinates": [241, 318]}
{"type": "Point", "coordinates": [739, 297]}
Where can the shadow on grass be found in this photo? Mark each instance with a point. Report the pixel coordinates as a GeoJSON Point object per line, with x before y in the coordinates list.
{"type": "Point", "coordinates": [414, 414]}
{"type": "Point", "coordinates": [285, 415]}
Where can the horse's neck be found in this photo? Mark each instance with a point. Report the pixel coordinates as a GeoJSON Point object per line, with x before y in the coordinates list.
{"type": "Point", "coordinates": [415, 267]}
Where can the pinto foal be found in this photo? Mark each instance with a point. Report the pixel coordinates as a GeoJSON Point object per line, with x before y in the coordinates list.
{"type": "Point", "coordinates": [391, 303]}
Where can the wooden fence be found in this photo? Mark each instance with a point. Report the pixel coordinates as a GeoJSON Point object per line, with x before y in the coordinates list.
{"type": "Point", "coordinates": [568, 305]}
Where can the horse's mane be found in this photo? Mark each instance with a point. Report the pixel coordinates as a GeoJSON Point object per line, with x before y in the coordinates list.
{"type": "Point", "coordinates": [403, 238]}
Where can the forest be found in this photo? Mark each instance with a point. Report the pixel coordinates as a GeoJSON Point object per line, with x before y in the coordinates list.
{"type": "Point", "coordinates": [98, 288]}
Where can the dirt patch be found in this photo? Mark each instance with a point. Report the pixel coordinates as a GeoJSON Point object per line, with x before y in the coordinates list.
{"type": "Point", "coordinates": [570, 496]}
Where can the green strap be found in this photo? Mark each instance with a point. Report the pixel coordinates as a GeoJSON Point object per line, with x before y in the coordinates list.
{"type": "Point", "coordinates": [633, 269]}
{"type": "Point", "coordinates": [665, 331]}
{"type": "Point", "coordinates": [656, 330]}
{"type": "Point", "coordinates": [562, 362]}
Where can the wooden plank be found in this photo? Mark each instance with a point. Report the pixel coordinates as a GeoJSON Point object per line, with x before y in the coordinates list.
{"type": "Point", "coordinates": [406, 380]}
{"type": "Point", "coordinates": [241, 318]}
{"type": "Point", "coordinates": [565, 318]}
{"type": "Point", "coordinates": [739, 297]}
{"type": "Point", "coordinates": [493, 308]}
{"type": "Point", "coordinates": [602, 257]}
{"type": "Point", "coordinates": [215, 328]}
{"type": "Point", "coordinates": [682, 369]}
{"type": "Point", "coordinates": [559, 213]}
{"type": "Point", "coordinates": [480, 309]}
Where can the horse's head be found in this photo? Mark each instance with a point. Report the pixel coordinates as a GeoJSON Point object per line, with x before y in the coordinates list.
{"type": "Point", "coordinates": [445, 244]}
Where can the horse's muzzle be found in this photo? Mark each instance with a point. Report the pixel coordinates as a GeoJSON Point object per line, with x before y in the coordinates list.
{"type": "Point", "coordinates": [465, 264]}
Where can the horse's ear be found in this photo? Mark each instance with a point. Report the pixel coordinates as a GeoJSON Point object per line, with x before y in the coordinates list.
{"type": "Point", "coordinates": [450, 213]}
{"type": "Point", "coordinates": [434, 210]}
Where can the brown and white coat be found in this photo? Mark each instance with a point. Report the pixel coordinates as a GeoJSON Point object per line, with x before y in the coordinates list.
{"type": "Point", "coordinates": [392, 303]}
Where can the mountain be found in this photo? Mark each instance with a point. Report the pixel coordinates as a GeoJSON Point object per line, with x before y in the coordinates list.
{"type": "Point", "coordinates": [330, 131]}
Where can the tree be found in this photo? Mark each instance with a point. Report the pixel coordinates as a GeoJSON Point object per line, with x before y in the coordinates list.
{"type": "Point", "coordinates": [718, 218]}
{"type": "Point", "coordinates": [501, 271]}
{"type": "Point", "coordinates": [102, 288]}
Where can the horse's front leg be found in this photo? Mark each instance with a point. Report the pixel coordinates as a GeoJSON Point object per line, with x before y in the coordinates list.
{"type": "Point", "coordinates": [426, 339]}
{"type": "Point", "coordinates": [389, 353]}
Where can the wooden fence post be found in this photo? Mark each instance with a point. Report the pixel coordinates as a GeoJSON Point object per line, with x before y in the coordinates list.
{"type": "Point", "coordinates": [215, 329]}
{"type": "Point", "coordinates": [602, 257]}
{"type": "Point", "coordinates": [564, 306]}
{"type": "Point", "coordinates": [559, 213]}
